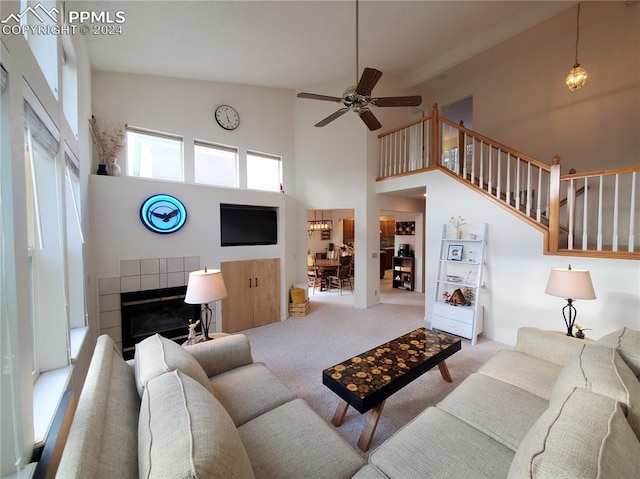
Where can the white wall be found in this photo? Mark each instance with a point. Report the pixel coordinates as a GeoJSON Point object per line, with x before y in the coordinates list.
{"type": "Point", "coordinates": [517, 271]}
{"type": "Point", "coordinates": [186, 107]}
{"type": "Point", "coordinates": [520, 99]}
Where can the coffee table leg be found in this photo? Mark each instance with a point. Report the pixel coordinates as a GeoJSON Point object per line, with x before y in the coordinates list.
{"type": "Point", "coordinates": [341, 411]}
{"type": "Point", "coordinates": [364, 443]}
{"type": "Point", "coordinates": [444, 370]}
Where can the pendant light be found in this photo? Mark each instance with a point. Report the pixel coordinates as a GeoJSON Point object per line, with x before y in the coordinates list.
{"type": "Point", "coordinates": [577, 75]}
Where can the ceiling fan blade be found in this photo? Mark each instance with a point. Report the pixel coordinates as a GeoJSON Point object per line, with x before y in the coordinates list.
{"type": "Point", "coordinates": [332, 117]}
{"type": "Point", "coordinates": [369, 119]}
{"type": "Point", "coordinates": [368, 80]}
{"type": "Point", "coordinates": [397, 101]}
{"type": "Point", "coordinates": [313, 96]}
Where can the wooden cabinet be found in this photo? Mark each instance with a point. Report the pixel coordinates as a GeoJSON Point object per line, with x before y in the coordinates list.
{"type": "Point", "coordinates": [387, 228]}
{"type": "Point", "coordinates": [253, 294]}
{"type": "Point", "coordinates": [457, 308]}
{"type": "Point", "coordinates": [403, 273]}
{"type": "Point", "coordinates": [348, 230]}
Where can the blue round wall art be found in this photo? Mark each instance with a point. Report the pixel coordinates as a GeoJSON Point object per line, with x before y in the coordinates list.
{"type": "Point", "coordinates": [163, 214]}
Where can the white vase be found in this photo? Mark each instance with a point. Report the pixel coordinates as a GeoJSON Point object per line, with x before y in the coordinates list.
{"type": "Point", "coordinates": [113, 169]}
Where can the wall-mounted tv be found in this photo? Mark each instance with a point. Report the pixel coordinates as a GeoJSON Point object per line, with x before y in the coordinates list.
{"type": "Point", "coordinates": [244, 225]}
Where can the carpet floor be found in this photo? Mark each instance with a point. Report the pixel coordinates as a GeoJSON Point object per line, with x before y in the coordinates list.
{"type": "Point", "coordinates": [299, 349]}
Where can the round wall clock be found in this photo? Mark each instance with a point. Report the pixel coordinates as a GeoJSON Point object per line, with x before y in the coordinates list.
{"type": "Point", "coordinates": [227, 117]}
{"type": "Point", "coordinates": [163, 214]}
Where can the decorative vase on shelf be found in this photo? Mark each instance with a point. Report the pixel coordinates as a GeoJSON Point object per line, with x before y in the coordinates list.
{"type": "Point", "coordinates": [102, 170]}
{"type": "Point", "coordinates": [113, 169]}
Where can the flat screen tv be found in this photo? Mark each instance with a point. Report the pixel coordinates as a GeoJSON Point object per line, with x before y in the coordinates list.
{"type": "Point", "coordinates": [244, 225]}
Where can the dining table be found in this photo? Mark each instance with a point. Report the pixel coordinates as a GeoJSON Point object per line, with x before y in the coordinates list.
{"type": "Point", "coordinates": [326, 267]}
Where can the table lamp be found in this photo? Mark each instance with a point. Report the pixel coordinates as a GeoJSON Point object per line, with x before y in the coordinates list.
{"type": "Point", "coordinates": [570, 284]}
{"type": "Point", "coordinates": [204, 287]}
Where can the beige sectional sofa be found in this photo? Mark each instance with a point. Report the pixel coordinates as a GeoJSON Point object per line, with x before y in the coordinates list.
{"type": "Point", "coordinates": [551, 407]}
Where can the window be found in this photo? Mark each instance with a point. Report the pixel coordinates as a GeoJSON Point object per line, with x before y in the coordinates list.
{"type": "Point", "coordinates": [154, 155]}
{"type": "Point", "coordinates": [41, 14]}
{"type": "Point", "coordinates": [215, 164]}
{"type": "Point", "coordinates": [264, 172]}
{"type": "Point", "coordinates": [45, 242]}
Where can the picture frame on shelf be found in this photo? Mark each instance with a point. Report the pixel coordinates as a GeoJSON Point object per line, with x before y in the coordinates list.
{"type": "Point", "coordinates": [454, 252]}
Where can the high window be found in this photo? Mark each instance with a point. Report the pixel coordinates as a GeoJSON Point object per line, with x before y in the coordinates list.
{"type": "Point", "coordinates": [155, 155]}
{"type": "Point", "coordinates": [215, 164]}
{"type": "Point", "coordinates": [264, 172]}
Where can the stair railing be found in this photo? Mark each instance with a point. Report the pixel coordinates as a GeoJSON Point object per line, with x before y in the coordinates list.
{"type": "Point", "coordinates": [562, 206]}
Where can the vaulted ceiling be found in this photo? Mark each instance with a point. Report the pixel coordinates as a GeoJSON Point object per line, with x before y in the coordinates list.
{"type": "Point", "coordinates": [294, 44]}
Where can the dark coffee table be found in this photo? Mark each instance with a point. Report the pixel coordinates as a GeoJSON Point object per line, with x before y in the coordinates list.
{"type": "Point", "coordinates": [368, 379]}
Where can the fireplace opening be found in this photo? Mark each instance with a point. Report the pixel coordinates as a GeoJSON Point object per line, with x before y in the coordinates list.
{"type": "Point", "coordinates": [163, 311]}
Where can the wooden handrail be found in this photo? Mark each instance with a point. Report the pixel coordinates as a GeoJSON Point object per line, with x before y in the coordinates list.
{"type": "Point", "coordinates": [404, 126]}
{"type": "Point", "coordinates": [497, 144]}
{"type": "Point", "coordinates": [591, 174]}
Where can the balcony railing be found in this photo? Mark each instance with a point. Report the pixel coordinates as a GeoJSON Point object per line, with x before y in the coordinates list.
{"type": "Point", "coordinates": [593, 213]}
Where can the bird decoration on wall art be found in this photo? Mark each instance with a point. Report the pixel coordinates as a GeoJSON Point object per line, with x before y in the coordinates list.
{"type": "Point", "coordinates": [166, 217]}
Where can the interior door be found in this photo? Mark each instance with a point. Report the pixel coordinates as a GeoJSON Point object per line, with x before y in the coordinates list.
{"type": "Point", "coordinates": [237, 307]}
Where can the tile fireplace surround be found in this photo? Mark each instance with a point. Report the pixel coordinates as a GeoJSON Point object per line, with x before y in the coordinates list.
{"type": "Point", "coordinates": [140, 275]}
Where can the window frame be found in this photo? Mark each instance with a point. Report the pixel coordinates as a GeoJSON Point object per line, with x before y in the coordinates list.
{"type": "Point", "coordinates": [130, 129]}
{"type": "Point", "coordinates": [218, 147]}
{"type": "Point", "coordinates": [265, 156]}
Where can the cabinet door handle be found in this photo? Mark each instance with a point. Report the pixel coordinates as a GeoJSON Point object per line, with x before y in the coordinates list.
{"type": "Point", "coordinates": [256, 282]}
{"type": "Point", "coordinates": [249, 283]}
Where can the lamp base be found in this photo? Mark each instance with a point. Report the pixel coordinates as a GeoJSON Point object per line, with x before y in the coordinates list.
{"type": "Point", "coordinates": [569, 313]}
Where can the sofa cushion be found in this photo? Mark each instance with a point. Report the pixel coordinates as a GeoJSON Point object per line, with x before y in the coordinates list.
{"type": "Point", "coordinates": [436, 445]}
{"type": "Point", "coordinates": [498, 409]}
{"type": "Point", "coordinates": [293, 441]}
{"type": "Point", "coordinates": [586, 435]}
{"type": "Point", "coordinates": [524, 371]}
{"type": "Point", "coordinates": [184, 432]}
{"type": "Point", "coordinates": [601, 370]}
{"type": "Point", "coordinates": [248, 391]}
{"type": "Point", "coordinates": [627, 342]}
{"type": "Point", "coordinates": [222, 354]}
{"type": "Point", "coordinates": [157, 355]}
{"type": "Point", "coordinates": [96, 447]}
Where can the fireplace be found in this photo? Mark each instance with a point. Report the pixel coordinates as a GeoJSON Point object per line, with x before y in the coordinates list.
{"type": "Point", "coordinates": [163, 311]}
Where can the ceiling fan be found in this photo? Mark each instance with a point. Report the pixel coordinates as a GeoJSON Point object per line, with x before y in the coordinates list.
{"type": "Point", "coordinates": [358, 98]}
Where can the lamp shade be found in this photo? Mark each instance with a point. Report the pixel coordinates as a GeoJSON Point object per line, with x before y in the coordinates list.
{"type": "Point", "coordinates": [205, 286]}
{"type": "Point", "coordinates": [570, 284]}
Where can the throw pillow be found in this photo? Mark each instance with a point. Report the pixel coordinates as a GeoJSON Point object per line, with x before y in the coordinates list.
{"type": "Point", "coordinates": [184, 432]}
{"type": "Point", "coordinates": [157, 355]}
{"type": "Point", "coordinates": [585, 435]}
{"type": "Point", "coordinates": [601, 370]}
{"type": "Point", "coordinates": [298, 295]}
{"type": "Point", "coordinates": [627, 342]}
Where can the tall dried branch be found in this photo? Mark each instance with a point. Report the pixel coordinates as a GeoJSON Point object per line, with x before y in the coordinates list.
{"type": "Point", "coordinates": [108, 142]}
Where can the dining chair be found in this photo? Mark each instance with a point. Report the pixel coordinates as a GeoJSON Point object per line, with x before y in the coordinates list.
{"type": "Point", "coordinates": [313, 278]}
{"type": "Point", "coordinates": [342, 275]}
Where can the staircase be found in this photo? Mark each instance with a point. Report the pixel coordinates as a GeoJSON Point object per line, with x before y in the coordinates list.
{"type": "Point", "coordinates": [590, 214]}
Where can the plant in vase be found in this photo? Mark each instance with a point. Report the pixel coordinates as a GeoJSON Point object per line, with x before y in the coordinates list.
{"type": "Point", "coordinates": [109, 142]}
{"type": "Point", "coordinates": [457, 223]}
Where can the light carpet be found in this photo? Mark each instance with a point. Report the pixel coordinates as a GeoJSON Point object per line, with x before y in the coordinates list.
{"type": "Point", "coordinates": [299, 349]}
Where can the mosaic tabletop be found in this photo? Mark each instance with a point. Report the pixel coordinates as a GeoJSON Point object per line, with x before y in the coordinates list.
{"type": "Point", "coordinates": [369, 378]}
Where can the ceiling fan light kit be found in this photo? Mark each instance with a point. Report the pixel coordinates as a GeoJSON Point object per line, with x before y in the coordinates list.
{"type": "Point", "coordinates": [359, 98]}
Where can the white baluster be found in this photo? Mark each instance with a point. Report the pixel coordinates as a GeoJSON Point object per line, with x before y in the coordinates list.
{"type": "Point", "coordinates": [614, 245]}
{"type": "Point", "coordinates": [508, 191]}
{"type": "Point", "coordinates": [585, 217]}
{"type": "Point", "coordinates": [539, 198]}
{"type": "Point", "coordinates": [599, 237]}
{"type": "Point", "coordinates": [571, 203]}
{"type": "Point", "coordinates": [498, 189]}
{"type": "Point", "coordinates": [632, 213]}
{"type": "Point", "coordinates": [516, 192]}
{"type": "Point", "coordinates": [528, 194]}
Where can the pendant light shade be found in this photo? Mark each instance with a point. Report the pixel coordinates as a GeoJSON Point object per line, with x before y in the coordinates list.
{"type": "Point", "coordinates": [577, 76]}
